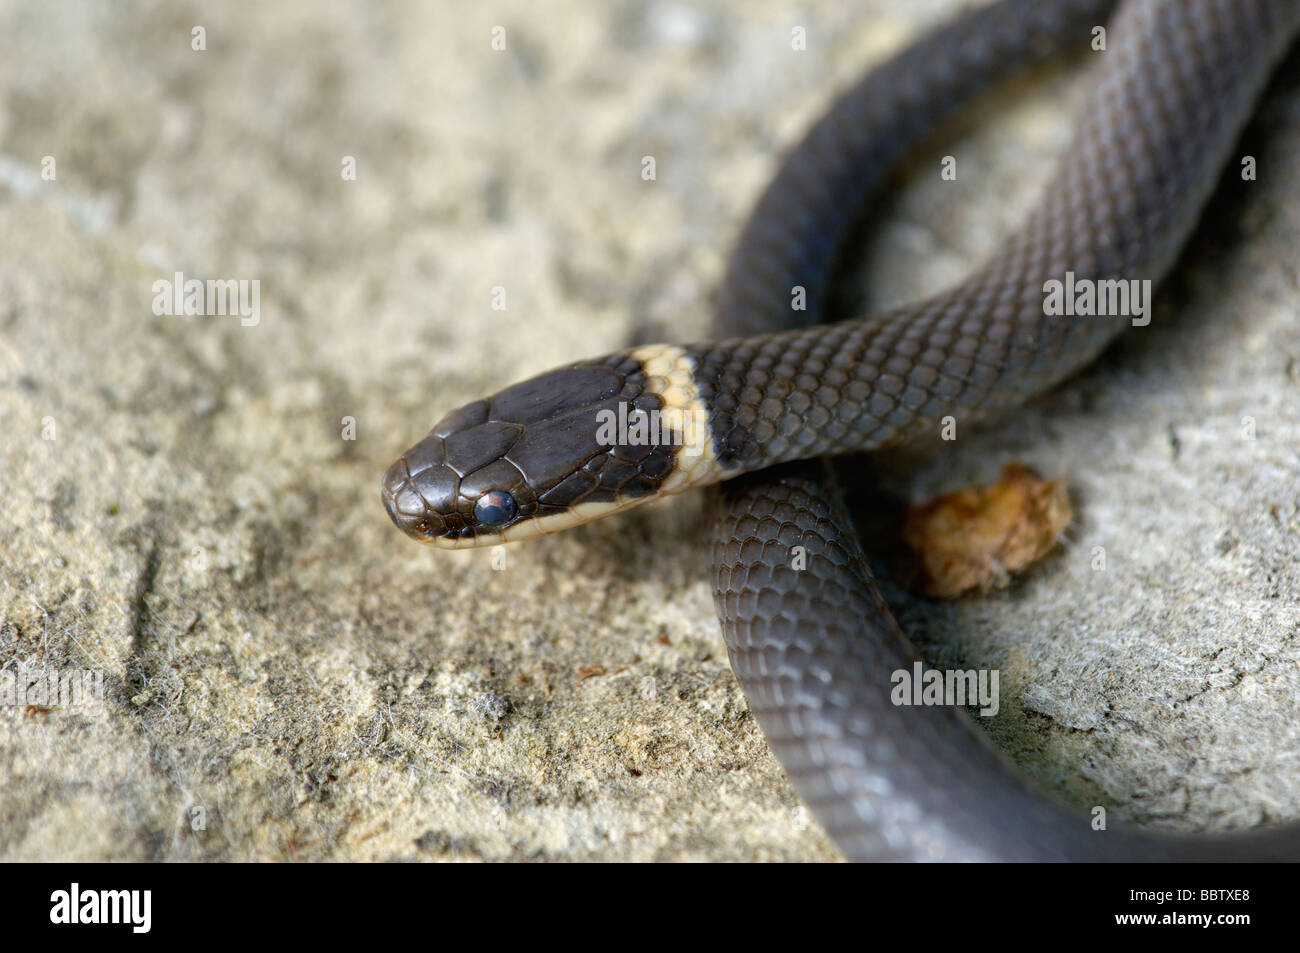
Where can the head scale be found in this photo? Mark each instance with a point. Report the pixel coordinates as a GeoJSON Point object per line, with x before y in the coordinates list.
{"type": "Point", "coordinates": [542, 455]}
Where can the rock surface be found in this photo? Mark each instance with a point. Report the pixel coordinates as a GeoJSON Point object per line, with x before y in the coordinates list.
{"type": "Point", "coordinates": [286, 677]}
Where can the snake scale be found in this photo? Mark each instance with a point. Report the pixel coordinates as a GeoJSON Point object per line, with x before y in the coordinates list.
{"type": "Point", "coordinates": [757, 409]}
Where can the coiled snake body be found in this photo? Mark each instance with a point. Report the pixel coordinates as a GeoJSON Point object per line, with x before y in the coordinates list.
{"type": "Point", "coordinates": [814, 647]}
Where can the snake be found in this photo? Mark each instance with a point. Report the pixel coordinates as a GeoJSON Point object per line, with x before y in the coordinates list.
{"type": "Point", "coordinates": [759, 411]}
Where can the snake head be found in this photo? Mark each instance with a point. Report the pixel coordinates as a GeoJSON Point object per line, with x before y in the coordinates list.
{"type": "Point", "coordinates": [553, 451]}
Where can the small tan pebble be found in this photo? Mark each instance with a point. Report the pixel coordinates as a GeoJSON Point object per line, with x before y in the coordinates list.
{"type": "Point", "coordinates": [974, 538]}
{"type": "Point", "coordinates": [587, 671]}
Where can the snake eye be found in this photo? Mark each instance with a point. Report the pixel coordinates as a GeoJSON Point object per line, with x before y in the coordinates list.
{"type": "Point", "coordinates": [495, 508]}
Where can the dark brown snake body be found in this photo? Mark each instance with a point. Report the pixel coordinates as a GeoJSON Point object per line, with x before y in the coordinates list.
{"type": "Point", "coordinates": [814, 646]}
